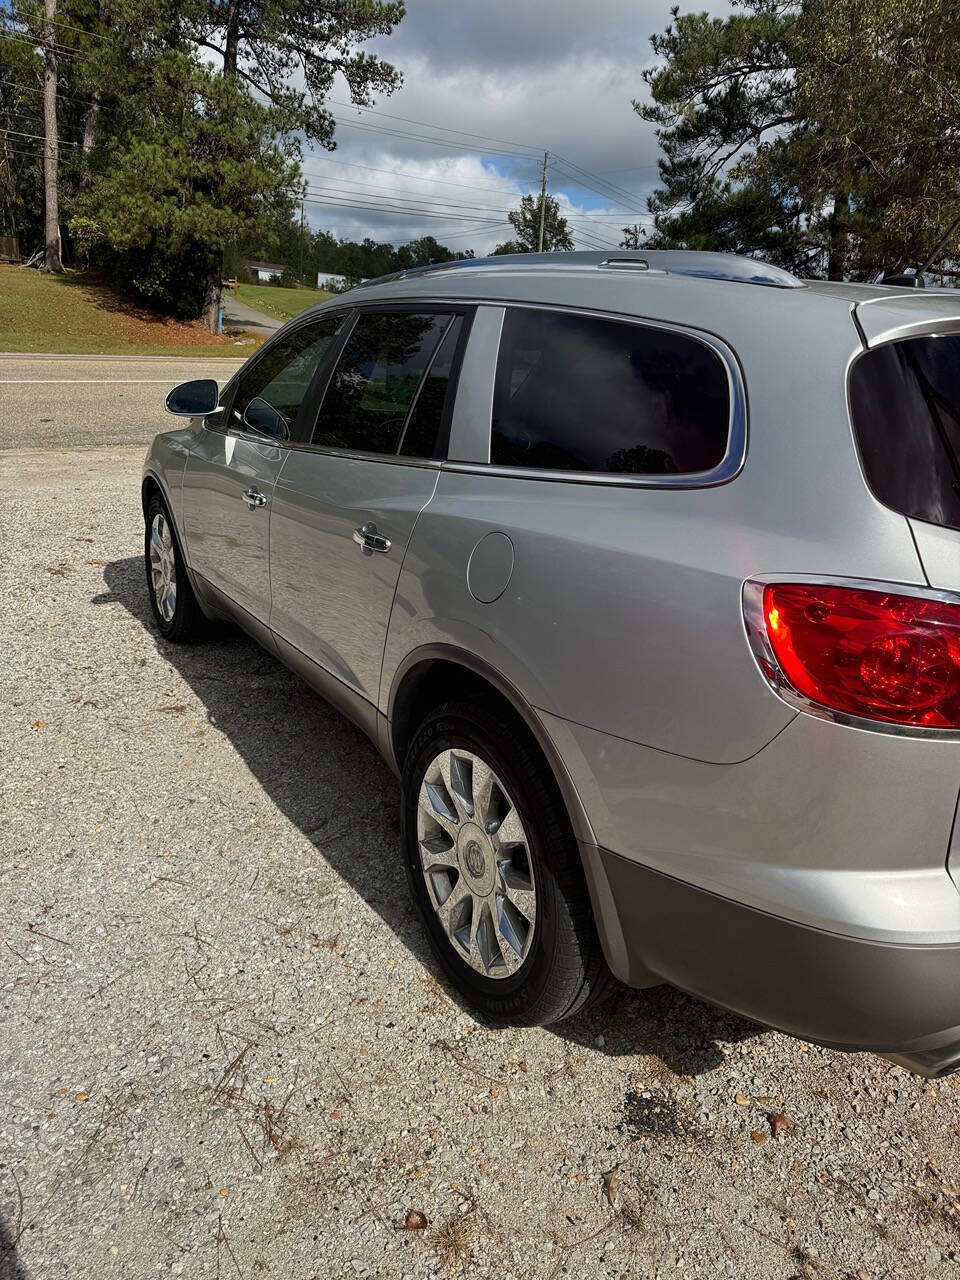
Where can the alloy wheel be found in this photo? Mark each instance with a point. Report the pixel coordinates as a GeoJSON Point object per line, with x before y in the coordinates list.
{"type": "Point", "coordinates": [476, 863]}
{"type": "Point", "coordinates": [163, 567]}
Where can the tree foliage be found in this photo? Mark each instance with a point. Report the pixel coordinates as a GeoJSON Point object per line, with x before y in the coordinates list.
{"type": "Point", "coordinates": [526, 223]}
{"type": "Point", "coordinates": [322, 253]}
{"type": "Point", "coordinates": [880, 84]}
{"type": "Point", "coordinates": [273, 45]}
{"type": "Point", "coordinates": [821, 134]}
{"type": "Point", "coordinates": [172, 156]}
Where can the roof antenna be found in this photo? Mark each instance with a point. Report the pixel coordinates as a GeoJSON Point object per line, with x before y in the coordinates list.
{"type": "Point", "coordinates": [916, 281]}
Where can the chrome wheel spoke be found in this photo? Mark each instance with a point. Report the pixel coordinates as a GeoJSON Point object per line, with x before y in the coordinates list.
{"type": "Point", "coordinates": [518, 889]}
{"type": "Point", "coordinates": [437, 854]}
{"type": "Point", "coordinates": [436, 805]}
{"type": "Point", "coordinates": [483, 785]}
{"type": "Point", "coordinates": [510, 829]}
{"type": "Point", "coordinates": [454, 907]}
{"type": "Point", "coordinates": [456, 773]}
{"type": "Point", "coordinates": [511, 940]}
{"type": "Point", "coordinates": [483, 942]}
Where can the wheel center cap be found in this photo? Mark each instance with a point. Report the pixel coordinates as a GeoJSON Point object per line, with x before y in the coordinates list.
{"type": "Point", "coordinates": [476, 860]}
{"type": "Point", "coordinates": [473, 857]}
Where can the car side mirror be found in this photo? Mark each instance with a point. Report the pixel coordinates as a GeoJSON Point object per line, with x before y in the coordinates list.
{"type": "Point", "coordinates": [260, 415]}
{"type": "Point", "coordinates": [194, 399]}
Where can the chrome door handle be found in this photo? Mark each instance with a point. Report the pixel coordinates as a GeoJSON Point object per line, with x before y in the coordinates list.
{"type": "Point", "coordinates": [369, 540]}
{"type": "Point", "coordinates": [254, 498]}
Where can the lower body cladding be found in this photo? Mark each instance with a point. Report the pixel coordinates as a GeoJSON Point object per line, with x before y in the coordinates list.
{"type": "Point", "coordinates": [807, 887]}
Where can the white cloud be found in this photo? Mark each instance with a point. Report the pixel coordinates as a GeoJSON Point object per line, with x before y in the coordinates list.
{"type": "Point", "coordinates": [558, 77]}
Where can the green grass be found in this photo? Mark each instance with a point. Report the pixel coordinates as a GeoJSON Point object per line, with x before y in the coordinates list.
{"type": "Point", "coordinates": [79, 314]}
{"type": "Point", "coordinates": [281, 303]}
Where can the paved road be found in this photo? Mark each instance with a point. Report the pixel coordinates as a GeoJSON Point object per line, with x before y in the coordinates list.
{"type": "Point", "coordinates": [246, 317]}
{"type": "Point", "coordinates": [224, 1048]}
{"type": "Point", "coordinates": [48, 402]}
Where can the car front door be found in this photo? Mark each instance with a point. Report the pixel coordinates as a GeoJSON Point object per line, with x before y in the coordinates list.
{"type": "Point", "coordinates": [231, 471]}
{"type": "Point", "coordinates": [345, 505]}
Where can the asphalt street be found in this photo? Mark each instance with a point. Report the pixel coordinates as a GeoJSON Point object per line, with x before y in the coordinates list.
{"type": "Point", "coordinates": [52, 402]}
{"type": "Point", "coordinates": [224, 1048]}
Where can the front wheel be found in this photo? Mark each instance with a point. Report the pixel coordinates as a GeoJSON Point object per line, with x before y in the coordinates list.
{"type": "Point", "coordinates": [495, 869]}
{"type": "Point", "coordinates": [175, 609]}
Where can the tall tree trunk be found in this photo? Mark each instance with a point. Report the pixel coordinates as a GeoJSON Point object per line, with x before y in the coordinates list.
{"type": "Point", "coordinates": [231, 42]}
{"type": "Point", "coordinates": [210, 315]}
{"type": "Point", "coordinates": [90, 123]}
{"type": "Point", "coordinates": [837, 254]}
{"type": "Point", "coordinates": [231, 46]}
{"type": "Point", "coordinates": [51, 225]}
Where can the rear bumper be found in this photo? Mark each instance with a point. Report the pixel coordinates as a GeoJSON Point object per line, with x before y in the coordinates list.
{"type": "Point", "coordinates": [850, 993]}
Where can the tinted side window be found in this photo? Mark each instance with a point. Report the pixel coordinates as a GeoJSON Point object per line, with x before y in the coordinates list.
{"type": "Point", "coordinates": [269, 397]}
{"type": "Point", "coordinates": [376, 379]}
{"type": "Point", "coordinates": [587, 394]}
{"type": "Point", "coordinates": [905, 404]}
{"type": "Point", "coordinates": [422, 436]}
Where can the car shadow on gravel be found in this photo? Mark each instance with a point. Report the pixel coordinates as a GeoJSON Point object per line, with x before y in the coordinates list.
{"type": "Point", "coordinates": [11, 1267]}
{"type": "Point", "coordinates": [326, 778]}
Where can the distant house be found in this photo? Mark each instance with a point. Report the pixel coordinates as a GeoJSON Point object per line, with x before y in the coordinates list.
{"type": "Point", "coordinates": [329, 280]}
{"type": "Point", "coordinates": [265, 271]}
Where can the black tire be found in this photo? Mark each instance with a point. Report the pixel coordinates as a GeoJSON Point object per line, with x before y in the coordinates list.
{"type": "Point", "coordinates": [187, 624]}
{"type": "Point", "coordinates": [564, 969]}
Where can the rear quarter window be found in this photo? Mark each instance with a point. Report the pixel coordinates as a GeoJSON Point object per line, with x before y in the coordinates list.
{"type": "Point", "coordinates": [584, 393]}
{"type": "Point", "coordinates": [905, 409]}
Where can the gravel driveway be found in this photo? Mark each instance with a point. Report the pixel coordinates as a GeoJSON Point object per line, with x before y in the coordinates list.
{"type": "Point", "coordinates": [224, 1049]}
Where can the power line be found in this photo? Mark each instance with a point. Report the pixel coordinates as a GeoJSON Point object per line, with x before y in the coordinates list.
{"type": "Point", "coordinates": [32, 117]}
{"type": "Point", "coordinates": [427, 125]}
{"type": "Point", "coordinates": [599, 241]}
{"type": "Point", "coordinates": [437, 142]}
{"type": "Point", "coordinates": [386, 208]}
{"type": "Point", "coordinates": [29, 88]}
{"type": "Point", "coordinates": [412, 176]}
{"type": "Point", "coordinates": [587, 173]}
{"type": "Point", "coordinates": [38, 136]}
{"type": "Point", "coordinates": [61, 51]}
{"type": "Point", "coordinates": [59, 22]}
{"type": "Point", "coordinates": [608, 195]}
{"type": "Point", "coordinates": [607, 190]}
{"type": "Point", "coordinates": [488, 138]}
{"type": "Point", "coordinates": [611, 188]}
{"type": "Point", "coordinates": [404, 197]}
{"type": "Point", "coordinates": [403, 194]}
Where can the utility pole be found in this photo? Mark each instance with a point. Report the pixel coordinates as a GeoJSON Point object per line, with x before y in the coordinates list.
{"type": "Point", "coordinates": [543, 200]}
{"type": "Point", "coordinates": [300, 272]}
{"type": "Point", "coordinates": [51, 217]}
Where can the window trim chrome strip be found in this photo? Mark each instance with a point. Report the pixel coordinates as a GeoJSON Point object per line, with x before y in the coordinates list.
{"type": "Point", "coordinates": [727, 469]}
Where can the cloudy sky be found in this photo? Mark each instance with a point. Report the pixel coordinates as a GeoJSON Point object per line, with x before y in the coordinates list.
{"type": "Point", "coordinates": [556, 75]}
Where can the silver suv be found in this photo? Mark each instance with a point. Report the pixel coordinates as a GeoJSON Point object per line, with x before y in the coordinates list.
{"type": "Point", "coordinates": [643, 574]}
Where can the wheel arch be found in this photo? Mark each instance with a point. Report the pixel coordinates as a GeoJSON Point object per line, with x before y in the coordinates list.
{"type": "Point", "coordinates": [435, 673]}
{"type": "Point", "coordinates": [148, 487]}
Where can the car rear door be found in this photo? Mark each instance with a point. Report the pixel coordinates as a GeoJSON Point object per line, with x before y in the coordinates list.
{"type": "Point", "coordinates": [346, 504]}
{"type": "Point", "coordinates": [231, 471]}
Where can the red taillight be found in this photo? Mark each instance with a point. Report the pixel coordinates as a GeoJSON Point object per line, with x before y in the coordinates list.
{"type": "Point", "coordinates": [871, 654]}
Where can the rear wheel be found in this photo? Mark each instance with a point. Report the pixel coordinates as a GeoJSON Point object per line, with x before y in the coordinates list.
{"type": "Point", "coordinates": [495, 869]}
{"type": "Point", "coordinates": [175, 609]}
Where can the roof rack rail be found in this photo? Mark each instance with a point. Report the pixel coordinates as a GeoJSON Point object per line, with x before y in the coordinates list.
{"type": "Point", "coordinates": [672, 262]}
